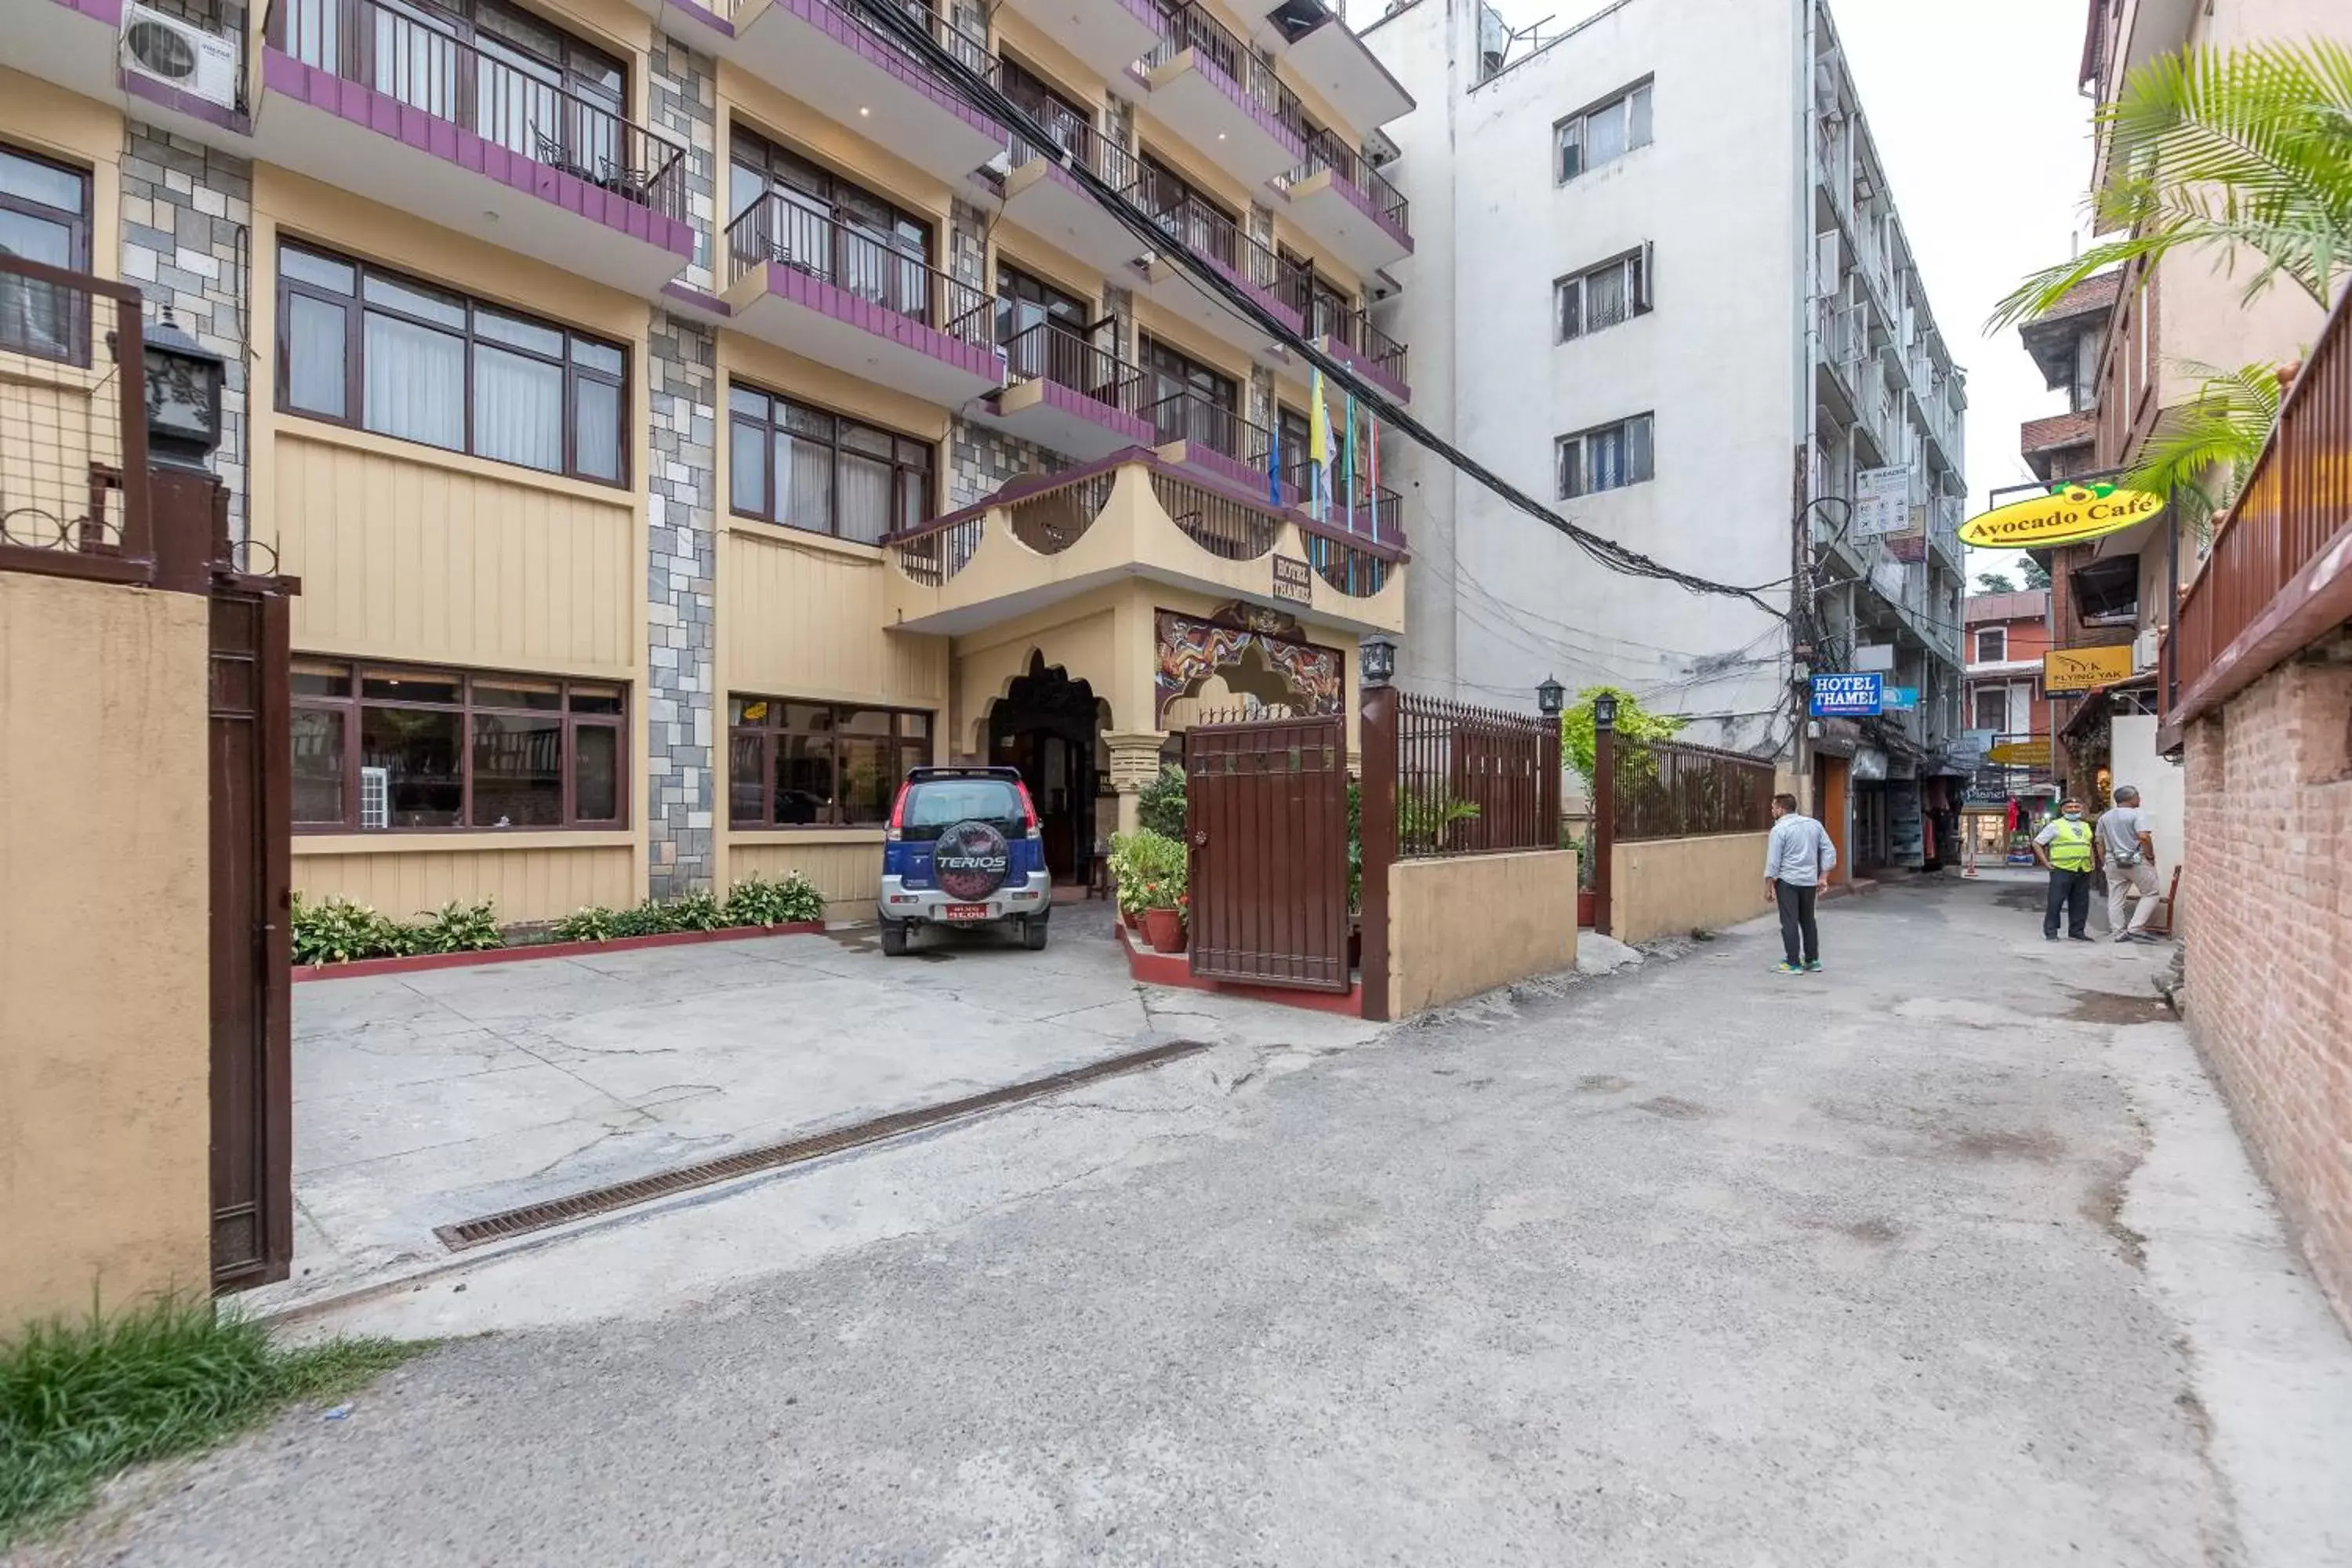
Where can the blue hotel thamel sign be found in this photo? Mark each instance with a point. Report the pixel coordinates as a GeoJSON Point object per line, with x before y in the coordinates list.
{"type": "Point", "coordinates": [1847, 697]}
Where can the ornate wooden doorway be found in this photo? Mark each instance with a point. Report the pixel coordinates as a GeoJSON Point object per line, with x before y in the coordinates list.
{"type": "Point", "coordinates": [1046, 726]}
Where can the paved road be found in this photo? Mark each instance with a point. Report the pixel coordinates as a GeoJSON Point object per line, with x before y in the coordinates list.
{"type": "Point", "coordinates": [1936, 1258]}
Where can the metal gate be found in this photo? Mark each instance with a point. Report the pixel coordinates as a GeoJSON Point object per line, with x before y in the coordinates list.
{"type": "Point", "coordinates": [1266, 804]}
{"type": "Point", "coordinates": [250, 745]}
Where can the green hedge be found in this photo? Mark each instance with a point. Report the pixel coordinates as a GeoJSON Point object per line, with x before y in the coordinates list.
{"type": "Point", "coordinates": [338, 932]}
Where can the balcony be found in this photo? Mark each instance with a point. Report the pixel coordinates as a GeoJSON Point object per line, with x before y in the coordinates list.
{"type": "Point", "coordinates": [1348, 206]}
{"type": "Point", "coordinates": [1208, 439]}
{"type": "Point", "coordinates": [73, 43]}
{"type": "Point", "coordinates": [372, 98]}
{"type": "Point", "coordinates": [1354, 506]}
{"type": "Point", "coordinates": [1041, 195]}
{"type": "Point", "coordinates": [1349, 337]}
{"type": "Point", "coordinates": [1228, 102]}
{"type": "Point", "coordinates": [1245, 262]}
{"type": "Point", "coordinates": [838, 63]}
{"type": "Point", "coordinates": [1132, 515]}
{"type": "Point", "coordinates": [810, 281]}
{"type": "Point", "coordinates": [1067, 395]}
{"type": "Point", "coordinates": [1107, 36]}
{"type": "Point", "coordinates": [1330, 58]}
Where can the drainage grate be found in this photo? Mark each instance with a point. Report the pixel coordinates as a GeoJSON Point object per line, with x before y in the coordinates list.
{"type": "Point", "coordinates": [625, 1195]}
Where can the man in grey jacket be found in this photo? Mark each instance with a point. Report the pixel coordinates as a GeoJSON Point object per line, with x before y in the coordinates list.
{"type": "Point", "coordinates": [1797, 859]}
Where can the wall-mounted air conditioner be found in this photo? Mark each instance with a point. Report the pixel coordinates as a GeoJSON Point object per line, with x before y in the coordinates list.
{"type": "Point", "coordinates": [173, 50]}
{"type": "Point", "coordinates": [2144, 649]}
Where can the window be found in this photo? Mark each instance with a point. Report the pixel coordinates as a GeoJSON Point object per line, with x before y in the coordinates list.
{"type": "Point", "coordinates": [826, 225]}
{"type": "Point", "coordinates": [1992, 708]}
{"type": "Point", "coordinates": [1607, 457]}
{"type": "Point", "coordinates": [391, 747]}
{"type": "Point", "coordinates": [1067, 121]}
{"type": "Point", "coordinates": [791, 464]}
{"type": "Point", "coordinates": [1327, 311]}
{"type": "Point", "coordinates": [360, 346]}
{"type": "Point", "coordinates": [1603, 133]}
{"type": "Point", "coordinates": [1613, 292]}
{"type": "Point", "coordinates": [44, 217]}
{"type": "Point", "coordinates": [1992, 645]}
{"type": "Point", "coordinates": [801, 765]}
{"type": "Point", "coordinates": [1194, 218]}
{"type": "Point", "coordinates": [1187, 401]}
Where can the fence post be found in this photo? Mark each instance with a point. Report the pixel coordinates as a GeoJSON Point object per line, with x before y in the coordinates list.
{"type": "Point", "coordinates": [1604, 807]}
{"type": "Point", "coordinates": [1377, 742]}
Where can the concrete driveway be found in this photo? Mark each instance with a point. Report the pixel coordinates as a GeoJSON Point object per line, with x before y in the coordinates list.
{"type": "Point", "coordinates": [425, 1099]}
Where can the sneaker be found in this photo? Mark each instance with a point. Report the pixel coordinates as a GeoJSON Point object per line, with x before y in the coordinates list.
{"type": "Point", "coordinates": [1785, 967]}
{"type": "Point", "coordinates": [2077, 936]}
{"type": "Point", "coordinates": [1814, 966]}
{"type": "Point", "coordinates": [2123, 936]}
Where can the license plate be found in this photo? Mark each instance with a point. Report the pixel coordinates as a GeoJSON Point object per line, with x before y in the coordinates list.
{"type": "Point", "coordinates": [966, 911]}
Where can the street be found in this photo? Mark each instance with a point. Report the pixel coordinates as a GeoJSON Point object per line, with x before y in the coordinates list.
{"type": "Point", "coordinates": [1944, 1255]}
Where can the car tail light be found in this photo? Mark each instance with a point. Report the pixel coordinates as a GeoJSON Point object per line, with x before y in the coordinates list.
{"type": "Point", "coordinates": [897, 815]}
{"type": "Point", "coordinates": [1028, 808]}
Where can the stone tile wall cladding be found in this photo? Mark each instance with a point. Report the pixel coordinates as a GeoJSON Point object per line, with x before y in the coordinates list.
{"type": "Point", "coordinates": [187, 242]}
{"type": "Point", "coordinates": [682, 94]}
{"type": "Point", "coordinates": [2266, 909]}
{"type": "Point", "coordinates": [682, 392]}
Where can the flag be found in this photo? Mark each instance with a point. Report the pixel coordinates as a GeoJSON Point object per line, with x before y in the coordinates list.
{"type": "Point", "coordinates": [1347, 465]}
{"type": "Point", "coordinates": [1274, 468]}
{"type": "Point", "coordinates": [1372, 457]}
{"type": "Point", "coordinates": [1319, 441]}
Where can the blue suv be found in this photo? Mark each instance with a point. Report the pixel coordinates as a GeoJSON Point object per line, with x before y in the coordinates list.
{"type": "Point", "coordinates": [964, 851]}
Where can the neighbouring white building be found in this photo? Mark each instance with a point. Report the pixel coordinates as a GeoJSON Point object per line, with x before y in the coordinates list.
{"type": "Point", "coordinates": [1659, 281]}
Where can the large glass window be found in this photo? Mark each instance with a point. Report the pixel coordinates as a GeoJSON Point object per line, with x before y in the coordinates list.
{"type": "Point", "coordinates": [1604, 295]}
{"type": "Point", "coordinates": [804, 467]}
{"type": "Point", "coordinates": [391, 747]}
{"type": "Point", "coordinates": [44, 217]}
{"type": "Point", "coordinates": [1603, 133]}
{"type": "Point", "coordinates": [360, 346]}
{"type": "Point", "coordinates": [804, 764]}
{"type": "Point", "coordinates": [1606, 457]}
{"type": "Point", "coordinates": [797, 211]}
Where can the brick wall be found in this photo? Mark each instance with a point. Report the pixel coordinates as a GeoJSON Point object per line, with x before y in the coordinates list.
{"type": "Point", "coordinates": [2266, 905]}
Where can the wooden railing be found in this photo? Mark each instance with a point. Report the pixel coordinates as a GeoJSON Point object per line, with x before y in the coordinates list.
{"type": "Point", "coordinates": [2239, 619]}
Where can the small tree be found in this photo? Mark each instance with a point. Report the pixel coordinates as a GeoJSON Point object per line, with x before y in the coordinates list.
{"type": "Point", "coordinates": [1635, 725]}
{"type": "Point", "coordinates": [2037, 575]}
{"type": "Point", "coordinates": [1160, 805]}
{"type": "Point", "coordinates": [1995, 582]}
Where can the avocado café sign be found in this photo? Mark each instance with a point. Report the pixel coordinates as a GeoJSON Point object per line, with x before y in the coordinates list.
{"type": "Point", "coordinates": [2068, 513]}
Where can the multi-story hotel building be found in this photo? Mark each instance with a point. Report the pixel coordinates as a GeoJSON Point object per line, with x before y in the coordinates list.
{"type": "Point", "coordinates": [682, 421]}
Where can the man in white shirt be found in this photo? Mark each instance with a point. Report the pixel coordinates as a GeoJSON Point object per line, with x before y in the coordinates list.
{"type": "Point", "coordinates": [1797, 859]}
{"type": "Point", "coordinates": [2128, 849]}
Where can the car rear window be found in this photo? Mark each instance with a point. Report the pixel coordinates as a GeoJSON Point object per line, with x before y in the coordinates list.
{"type": "Point", "coordinates": [937, 805]}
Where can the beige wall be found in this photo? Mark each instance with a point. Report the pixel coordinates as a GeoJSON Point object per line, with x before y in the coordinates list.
{"type": "Point", "coordinates": [845, 863]}
{"type": "Point", "coordinates": [1461, 926]}
{"type": "Point", "coordinates": [105, 1054]}
{"type": "Point", "coordinates": [1669, 887]}
{"type": "Point", "coordinates": [545, 877]}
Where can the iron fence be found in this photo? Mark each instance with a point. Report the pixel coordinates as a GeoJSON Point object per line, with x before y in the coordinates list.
{"type": "Point", "coordinates": [73, 413]}
{"type": "Point", "coordinates": [1667, 789]}
{"type": "Point", "coordinates": [1473, 781]}
{"type": "Point", "coordinates": [414, 56]}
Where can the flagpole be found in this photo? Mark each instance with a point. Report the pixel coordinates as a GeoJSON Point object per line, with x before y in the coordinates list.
{"type": "Point", "coordinates": [1347, 465]}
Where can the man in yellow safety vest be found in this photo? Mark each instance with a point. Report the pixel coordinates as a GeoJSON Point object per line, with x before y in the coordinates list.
{"type": "Point", "coordinates": [2063, 850]}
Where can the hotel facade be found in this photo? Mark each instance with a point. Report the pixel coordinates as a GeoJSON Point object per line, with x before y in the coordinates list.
{"type": "Point", "coordinates": [681, 422]}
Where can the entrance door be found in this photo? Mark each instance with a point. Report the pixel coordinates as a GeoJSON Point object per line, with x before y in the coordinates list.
{"type": "Point", "coordinates": [1830, 807]}
{"type": "Point", "coordinates": [1045, 727]}
{"type": "Point", "coordinates": [1266, 804]}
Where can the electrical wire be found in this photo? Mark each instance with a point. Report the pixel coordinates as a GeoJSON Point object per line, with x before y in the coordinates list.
{"type": "Point", "coordinates": [886, 18]}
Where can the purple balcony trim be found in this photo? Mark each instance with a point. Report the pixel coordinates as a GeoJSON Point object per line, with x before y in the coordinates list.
{"type": "Point", "coordinates": [1215, 75]}
{"type": "Point", "coordinates": [1358, 43]}
{"type": "Point", "coordinates": [705, 17]}
{"type": "Point", "coordinates": [1130, 427]}
{"type": "Point", "coordinates": [164, 95]}
{"type": "Point", "coordinates": [1263, 296]}
{"type": "Point", "coordinates": [109, 12]}
{"type": "Point", "coordinates": [362, 105]}
{"type": "Point", "coordinates": [688, 294]}
{"type": "Point", "coordinates": [1364, 204]}
{"type": "Point", "coordinates": [1370, 370]}
{"type": "Point", "coordinates": [841, 305]}
{"type": "Point", "coordinates": [842, 29]}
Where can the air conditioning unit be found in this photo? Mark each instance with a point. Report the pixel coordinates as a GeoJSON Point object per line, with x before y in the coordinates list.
{"type": "Point", "coordinates": [2144, 650]}
{"type": "Point", "coordinates": [181, 53]}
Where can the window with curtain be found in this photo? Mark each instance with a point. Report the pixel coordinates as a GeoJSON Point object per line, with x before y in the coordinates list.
{"type": "Point", "coordinates": [391, 747]}
{"type": "Point", "coordinates": [44, 217]}
{"type": "Point", "coordinates": [1604, 295]}
{"type": "Point", "coordinates": [806, 764]}
{"type": "Point", "coordinates": [1602, 134]}
{"type": "Point", "coordinates": [1188, 401]}
{"type": "Point", "coordinates": [783, 206]}
{"type": "Point", "coordinates": [358, 345]}
{"type": "Point", "coordinates": [803, 468]}
{"type": "Point", "coordinates": [1606, 457]}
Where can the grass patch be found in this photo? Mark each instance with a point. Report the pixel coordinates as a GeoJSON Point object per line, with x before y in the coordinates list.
{"type": "Point", "coordinates": [81, 1401]}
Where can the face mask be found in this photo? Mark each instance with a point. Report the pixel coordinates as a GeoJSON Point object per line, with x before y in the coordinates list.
{"type": "Point", "coordinates": [2074, 816]}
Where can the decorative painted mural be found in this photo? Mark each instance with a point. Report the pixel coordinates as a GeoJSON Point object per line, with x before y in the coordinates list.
{"type": "Point", "coordinates": [1193, 650]}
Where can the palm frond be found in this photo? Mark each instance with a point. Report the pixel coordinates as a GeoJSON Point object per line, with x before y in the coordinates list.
{"type": "Point", "coordinates": [2202, 452]}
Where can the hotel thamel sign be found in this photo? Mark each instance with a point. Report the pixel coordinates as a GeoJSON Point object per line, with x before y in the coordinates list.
{"type": "Point", "coordinates": [2067, 514]}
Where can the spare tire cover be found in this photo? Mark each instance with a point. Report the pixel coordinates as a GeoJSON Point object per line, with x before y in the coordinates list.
{"type": "Point", "coordinates": [970, 861]}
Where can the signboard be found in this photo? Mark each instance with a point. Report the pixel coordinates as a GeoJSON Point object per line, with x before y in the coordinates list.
{"type": "Point", "coordinates": [2067, 514]}
{"type": "Point", "coordinates": [1900, 698]}
{"type": "Point", "coordinates": [1292, 580]}
{"type": "Point", "coordinates": [1877, 655]}
{"type": "Point", "coordinates": [1882, 502]}
{"type": "Point", "coordinates": [2021, 753]}
{"type": "Point", "coordinates": [1846, 697]}
{"type": "Point", "coordinates": [2081, 669]}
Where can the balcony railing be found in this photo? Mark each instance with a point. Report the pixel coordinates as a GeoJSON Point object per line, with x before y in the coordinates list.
{"type": "Point", "coordinates": [1357, 506]}
{"type": "Point", "coordinates": [1072, 137]}
{"type": "Point", "coordinates": [1187, 26]}
{"type": "Point", "coordinates": [829, 246]}
{"type": "Point", "coordinates": [1051, 352]}
{"type": "Point", "coordinates": [1326, 151]}
{"type": "Point", "coordinates": [413, 57]}
{"type": "Point", "coordinates": [1193, 224]}
{"type": "Point", "coordinates": [1354, 329]}
{"type": "Point", "coordinates": [2296, 508]}
{"type": "Point", "coordinates": [1190, 417]}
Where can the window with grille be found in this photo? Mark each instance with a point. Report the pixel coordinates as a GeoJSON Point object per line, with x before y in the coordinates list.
{"type": "Point", "coordinates": [1605, 457]}
{"type": "Point", "coordinates": [1605, 296]}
